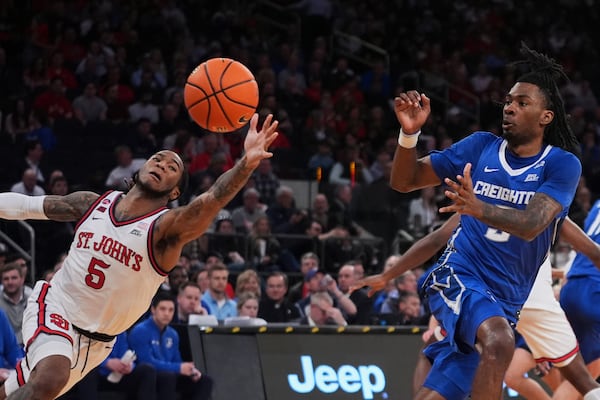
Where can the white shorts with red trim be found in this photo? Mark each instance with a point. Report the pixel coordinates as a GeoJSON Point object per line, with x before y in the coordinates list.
{"type": "Point", "coordinates": [548, 334]}
{"type": "Point", "coordinates": [46, 332]}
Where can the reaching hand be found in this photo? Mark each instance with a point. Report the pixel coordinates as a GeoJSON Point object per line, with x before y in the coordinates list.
{"type": "Point", "coordinates": [462, 194]}
{"type": "Point", "coordinates": [412, 110]}
{"type": "Point", "coordinates": [375, 283]}
{"type": "Point", "coordinates": [257, 143]}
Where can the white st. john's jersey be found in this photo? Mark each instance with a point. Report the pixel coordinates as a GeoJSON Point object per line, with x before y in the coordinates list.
{"type": "Point", "coordinates": [109, 277]}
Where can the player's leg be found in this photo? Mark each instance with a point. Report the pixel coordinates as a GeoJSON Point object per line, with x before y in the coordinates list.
{"type": "Point", "coordinates": [46, 368]}
{"type": "Point", "coordinates": [516, 378]}
{"type": "Point", "coordinates": [495, 336]}
{"type": "Point", "coordinates": [45, 381]}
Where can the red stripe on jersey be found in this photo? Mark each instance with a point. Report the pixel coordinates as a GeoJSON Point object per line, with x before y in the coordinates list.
{"type": "Point", "coordinates": [92, 207]}
{"type": "Point", "coordinates": [559, 359]}
{"type": "Point", "coordinates": [42, 327]}
{"type": "Point", "coordinates": [151, 257]}
{"type": "Point", "coordinates": [20, 375]}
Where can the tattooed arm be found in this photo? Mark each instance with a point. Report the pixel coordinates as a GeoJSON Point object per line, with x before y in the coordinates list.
{"type": "Point", "coordinates": [71, 207]}
{"type": "Point", "coordinates": [183, 224]}
{"type": "Point", "coordinates": [525, 224]}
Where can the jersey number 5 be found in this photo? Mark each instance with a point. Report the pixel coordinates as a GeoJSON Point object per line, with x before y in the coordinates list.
{"type": "Point", "coordinates": [95, 277]}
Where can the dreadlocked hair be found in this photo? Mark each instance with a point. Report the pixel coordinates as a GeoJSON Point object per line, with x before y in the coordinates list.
{"type": "Point", "coordinates": [544, 73]}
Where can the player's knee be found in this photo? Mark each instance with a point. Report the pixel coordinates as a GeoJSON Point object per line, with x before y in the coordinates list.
{"type": "Point", "coordinates": [497, 340]}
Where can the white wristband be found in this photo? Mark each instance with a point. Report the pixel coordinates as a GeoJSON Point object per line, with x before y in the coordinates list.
{"type": "Point", "coordinates": [18, 206]}
{"type": "Point", "coordinates": [408, 141]}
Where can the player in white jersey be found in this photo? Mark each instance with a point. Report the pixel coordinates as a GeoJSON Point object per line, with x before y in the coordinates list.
{"type": "Point", "coordinates": [542, 322]}
{"type": "Point", "coordinates": [124, 246]}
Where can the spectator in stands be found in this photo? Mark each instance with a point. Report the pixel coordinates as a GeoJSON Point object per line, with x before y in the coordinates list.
{"type": "Point", "coordinates": [212, 145]}
{"type": "Point", "coordinates": [350, 169]}
{"type": "Point", "coordinates": [14, 294]}
{"type": "Point", "coordinates": [143, 108]}
{"type": "Point", "coordinates": [248, 281]}
{"type": "Point", "coordinates": [88, 106]}
{"type": "Point", "coordinates": [407, 311]}
{"type": "Point", "coordinates": [177, 277]}
{"type": "Point", "coordinates": [423, 212]}
{"type": "Point", "coordinates": [139, 379]}
{"type": "Point", "coordinates": [200, 276]}
{"type": "Point", "coordinates": [266, 181]}
{"type": "Point", "coordinates": [215, 297]}
{"type": "Point", "coordinates": [117, 110]}
{"type": "Point", "coordinates": [308, 262]}
{"type": "Point", "coordinates": [142, 140]}
{"type": "Point", "coordinates": [40, 130]}
{"type": "Point", "coordinates": [320, 163]}
{"type": "Point", "coordinates": [245, 216]}
{"type": "Point", "coordinates": [157, 344]}
{"type": "Point", "coordinates": [127, 166]}
{"type": "Point", "coordinates": [284, 216]}
{"type": "Point", "coordinates": [188, 302]}
{"type": "Point", "coordinates": [274, 307]}
{"type": "Point", "coordinates": [35, 77]}
{"type": "Point", "coordinates": [381, 297]}
{"type": "Point", "coordinates": [10, 350]}
{"type": "Point", "coordinates": [28, 184]}
{"type": "Point", "coordinates": [364, 304]}
{"type": "Point", "coordinates": [34, 159]}
{"type": "Point", "coordinates": [229, 244]}
{"type": "Point", "coordinates": [16, 123]}
{"type": "Point", "coordinates": [264, 248]}
{"type": "Point", "coordinates": [57, 69]}
{"type": "Point", "coordinates": [247, 305]}
{"type": "Point", "coordinates": [321, 311]}
{"type": "Point", "coordinates": [53, 102]}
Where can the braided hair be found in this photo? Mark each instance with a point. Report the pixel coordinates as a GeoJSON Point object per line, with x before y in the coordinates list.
{"type": "Point", "coordinates": [544, 73]}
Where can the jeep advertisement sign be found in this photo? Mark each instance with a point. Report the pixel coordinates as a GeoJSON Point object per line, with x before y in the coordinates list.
{"type": "Point", "coordinates": [329, 367]}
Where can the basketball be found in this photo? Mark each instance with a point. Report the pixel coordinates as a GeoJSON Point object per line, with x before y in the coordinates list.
{"type": "Point", "coordinates": [221, 95]}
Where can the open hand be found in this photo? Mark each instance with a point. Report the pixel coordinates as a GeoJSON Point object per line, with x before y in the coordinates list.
{"type": "Point", "coordinates": [256, 144]}
{"type": "Point", "coordinates": [462, 195]}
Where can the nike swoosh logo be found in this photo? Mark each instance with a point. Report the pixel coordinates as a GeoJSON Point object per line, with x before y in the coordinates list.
{"type": "Point", "coordinates": [95, 218]}
{"type": "Point", "coordinates": [243, 119]}
{"type": "Point", "coordinates": [488, 169]}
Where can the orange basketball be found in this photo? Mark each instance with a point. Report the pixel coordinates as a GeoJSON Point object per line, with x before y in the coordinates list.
{"type": "Point", "coordinates": [221, 95]}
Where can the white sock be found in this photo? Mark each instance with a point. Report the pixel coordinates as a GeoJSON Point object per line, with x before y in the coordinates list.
{"type": "Point", "coordinates": [592, 395]}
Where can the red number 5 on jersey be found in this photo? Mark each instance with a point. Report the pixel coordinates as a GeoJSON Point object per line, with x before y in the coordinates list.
{"type": "Point", "coordinates": [95, 278]}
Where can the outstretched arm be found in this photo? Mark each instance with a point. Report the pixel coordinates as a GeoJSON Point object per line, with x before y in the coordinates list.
{"type": "Point", "coordinates": [183, 224]}
{"type": "Point", "coordinates": [581, 242]}
{"type": "Point", "coordinates": [15, 206]}
{"type": "Point", "coordinates": [421, 251]}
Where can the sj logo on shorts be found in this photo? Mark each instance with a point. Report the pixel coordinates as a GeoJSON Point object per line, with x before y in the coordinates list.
{"type": "Point", "coordinates": [448, 286]}
{"type": "Point", "coordinates": [59, 321]}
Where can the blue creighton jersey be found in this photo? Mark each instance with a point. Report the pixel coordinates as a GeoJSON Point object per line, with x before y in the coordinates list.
{"type": "Point", "coordinates": [582, 266]}
{"type": "Point", "coordinates": [505, 263]}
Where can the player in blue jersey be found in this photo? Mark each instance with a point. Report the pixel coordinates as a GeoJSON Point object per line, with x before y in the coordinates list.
{"type": "Point", "coordinates": [579, 297]}
{"type": "Point", "coordinates": [511, 192]}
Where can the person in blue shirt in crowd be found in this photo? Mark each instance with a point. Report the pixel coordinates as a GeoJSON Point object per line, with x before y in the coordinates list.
{"type": "Point", "coordinates": [215, 296]}
{"type": "Point", "coordinates": [510, 192]}
{"type": "Point", "coordinates": [157, 343]}
{"type": "Point", "coordinates": [10, 351]}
